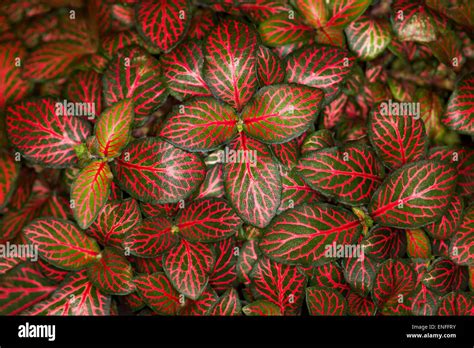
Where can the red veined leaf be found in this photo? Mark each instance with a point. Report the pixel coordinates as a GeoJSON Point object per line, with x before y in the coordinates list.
{"type": "Point", "coordinates": [182, 68]}
{"type": "Point", "coordinates": [201, 124]}
{"type": "Point", "coordinates": [252, 181]}
{"type": "Point", "coordinates": [317, 140]}
{"type": "Point", "coordinates": [9, 263]}
{"type": "Point", "coordinates": [459, 111]}
{"type": "Point", "coordinates": [57, 206]}
{"type": "Point", "coordinates": [360, 306]}
{"type": "Point", "coordinates": [154, 171]}
{"type": "Point", "coordinates": [284, 51]}
{"type": "Point", "coordinates": [329, 67]}
{"type": "Point", "coordinates": [201, 306]}
{"type": "Point", "coordinates": [398, 137]}
{"type": "Point", "coordinates": [425, 301]}
{"type": "Point", "coordinates": [148, 265]}
{"type": "Point", "coordinates": [230, 69]}
{"type": "Point", "coordinates": [90, 192]}
{"type": "Point", "coordinates": [156, 210]}
{"type": "Point", "coordinates": [394, 282]}
{"type": "Point", "coordinates": [449, 222]}
{"type": "Point", "coordinates": [202, 23]}
{"type": "Point", "coordinates": [135, 74]}
{"type": "Point", "coordinates": [283, 29]}
{"type": "Point", "coordinates": [461, 250]}
{"type": "Point", "coordinates": [325, 301]}
{"type": "Point", "coordinates": [463, 160]}
{"type": "Point", "coordinates": [123, 15]}
{"type": "Point", "coordinates": [163, 23]}
{"type": "Point", "coordinates": [315, 12]}
{"type": "Point", "coordinates": [280, 284]}
{"type": "Point", "coordinates": [289, 152]}
{"type": "Point", "coordinates": [21, 288]}
{"type": "Point", "coordinates": [295, 191]}
{"type": "Point", "coordinates": [114, 222]}
{"type": "Point", "coordinates": [158, 293]}
{"type": "Point", "coordinates": [331, 36]}
{"type": "Point", "coordinates": [412, 21]}
{"type": "Point", "coordinates": [224, 274]}
{"type": "Point", "coordinates": [248, 256]}
{"type": "Point", "coordinates": [85, 87]}
{"type": "Point", "coordinates": [270, 68]}
{"type": "Point", "coordinates": [344, 12]}
{"type": "Point", "coordinates": [359, 272]}
{"type": "Point", "coordinates": [188, 265]}
{"type": "Point", "coordinates": [447, 48]}
{"type": "Point", "coordinates": [53, 60]}
{"type": "Point", "coordinates": [262, 308]}
{"type": "Point", "coordinates": [431, 108]}
{"type": "Point", "coordinates": [383, 243]}
{"type": "Point", "coordinates": [51, 272]}
{"type": "Point", "coordinates": [368, 37]}
{"type": "Point", "coordinates": [279, 113]}
{"type": "Point", "coordinates": [61, 243]}
{"type": "Point", "coordinates": [112, 273]}
{"type": "Point", "coordinates": [458, 11]}
{"type": "Point", "coordinates": [113, 42]}
{"type": "Point", "coordinates": [471, 278]}
{"type": "Point", "coordinates": [350, 174]}
{"type": "Point", "coordinates": [75, 296]}
{"type": "Point", "coordinates": [304, 235]}
{"type": "Point", "coordinates": [227, 305]}
{"type": "Point", "coordinates": [413, 196]}
{"type": "Point", "coordinates": [207, 221]}
{"type": "Point", "coordinates": [260, 10]}
{"type": "Point", "coordinates": [213, 185]}
{"type": "Point", "coordinates": [12, 86]}
{"type": "Point", "coordinates": [9, 172]}
{"type": "Point", "coordinates": [418, 244]}
{"type": "Point", "coordinates": [329, 275]}
{"type": "Point", "coordinates": [440, 247]}
{"type": "Point", "coordinates": [402, 90]}
{"type": "Point", "coordinates": [456, 303]}
{"type": "Point", "coordinates": [44, 136]}
{"type": "Point", "coordinates": [133, 301]}
{"type": "Point", "coordinates": [112, 130]}
{"type": "Point", "coordinates": [444, 276]}
{"type": "Point", "coordinates": [153, 237]}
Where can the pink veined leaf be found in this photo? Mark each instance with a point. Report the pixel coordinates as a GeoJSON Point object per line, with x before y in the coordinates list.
{"type": "Point", "coordinates": [413, 21]}
{"type": "Point", "coordinates": [22, 287]}
{"type": "Point", "coordinates": [224, 275]}
{"type": "Point", "coordinates": [343, 12]}
{"type": "Point", "coordinates": [187, 266]}
{"type": "Point", "coordinates": [447, 48]}
{"type": "Point", "coordinates": [318, 140]}
{"type": "Point", "coordinates": [23, 186]}
{"type": "Point", "coordinates": [397, 138]}
{"type": "Point", "coordinates": [383, 243]}
{"type": "Point", "coordinates": [282, 29]}
{"type": "Point", "coordinates": [359, 272]}
{"type": "Point", "coordinates": [135, 74]}
{"type": "Point", "coordinates": [213, 185]}
{"type": "Point", "coordinates": [449, 223]}
{"type": "Point", "coordinates": [160, 210]}
{"type": "Point", "coordinates": [296, 191]}
{"type": "Point", "coordinates": [151, 238]}
{"type": "Point", "coordinates": [114, 222]}
{"type": "Point", "coordinates": [461, 250]}
{"type": "Point", "coordinates": [456, 303]}
{"type": "Point", "coordinates": [325, 301]}
{"type": "Point", "coordinates": [282, 285]}
{"type": "Point", "coordinates": [154, 171]}
{"type": "Point", "coordinates": [302, 235]}
{"type": "Point", "coordinates": [201, 124]}
{"type": "Point", "coordinates": [148, 265]}
{"type": "Point", "coordinates": [75, 296]}
{"type": "Point", "coordinates": [85, 87]}
{"type": "Point", "coordinates": [182, 68]}
{"type": "Point", "coordinates": [9, 176]}
{"type": "Point", "coordinates": [444, 276]}
{"type": "Point", "coordinates": [279, 113]}
{"type": "Point", "coordinates": [413, 196]}
{"type": "Point", "coordinates": [252, 182]}
{"type": "Point", "coordinates": [368, 37]}
{"type": "Point", "coordinates": [315, 12]}
{"type": "Point", "coordinates": [112, 130]}
{"type": "Point", "coordinates": [460, 108]}
{"type": "Point", "coordinates": [51, 272]}
{"type": "Point", "coordinates": [330, 66]}
{"type": "Point", "coordinates": [329, 275]}
{"type": "Point", "coordinates": [112, 273]}
{"type": "Point", "coordinates": [260, 10]}
{"type": "Point", "coordinates": [12, 86]}
{"type": "Point", "coordinates": [262, 308]}
{"type": "Point", "coordinates": [360, 306]}
{"type": "Point", "coordinates": [418, 244]}
{"type": "Point", "coordinates": [90, 191]}
{"type": "Point", "coordinates": [62, 243]}
{"type": "Point", "coordinates": [227, 305]}
{"type": "Point", "coordinates": [207, 221]}
{"type": "Point", "coordinates": [202, 23]}
{"type": "Point", "coordinates": [201, 306]}
{"type": "Point", "coordinates": [163, 23]}
{"type": "Point", "coordinates": [248, 256]}
{"type": "Point", "coordinates": [431, 108]}
{"type": "Point", "coordinates": [158, 293]}
{"type": "Point", "coordinates": [43, 134]}
{"type": "Point", "coordinates": [350, 174]}
{"type": "Point", "coordinates": [270, 67]}
{"type": "Point", "coordinates": [230, 68]}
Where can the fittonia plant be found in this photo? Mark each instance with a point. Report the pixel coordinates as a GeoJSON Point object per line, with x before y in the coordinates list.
{"type": "Point", "coordinates": [264, 157]}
